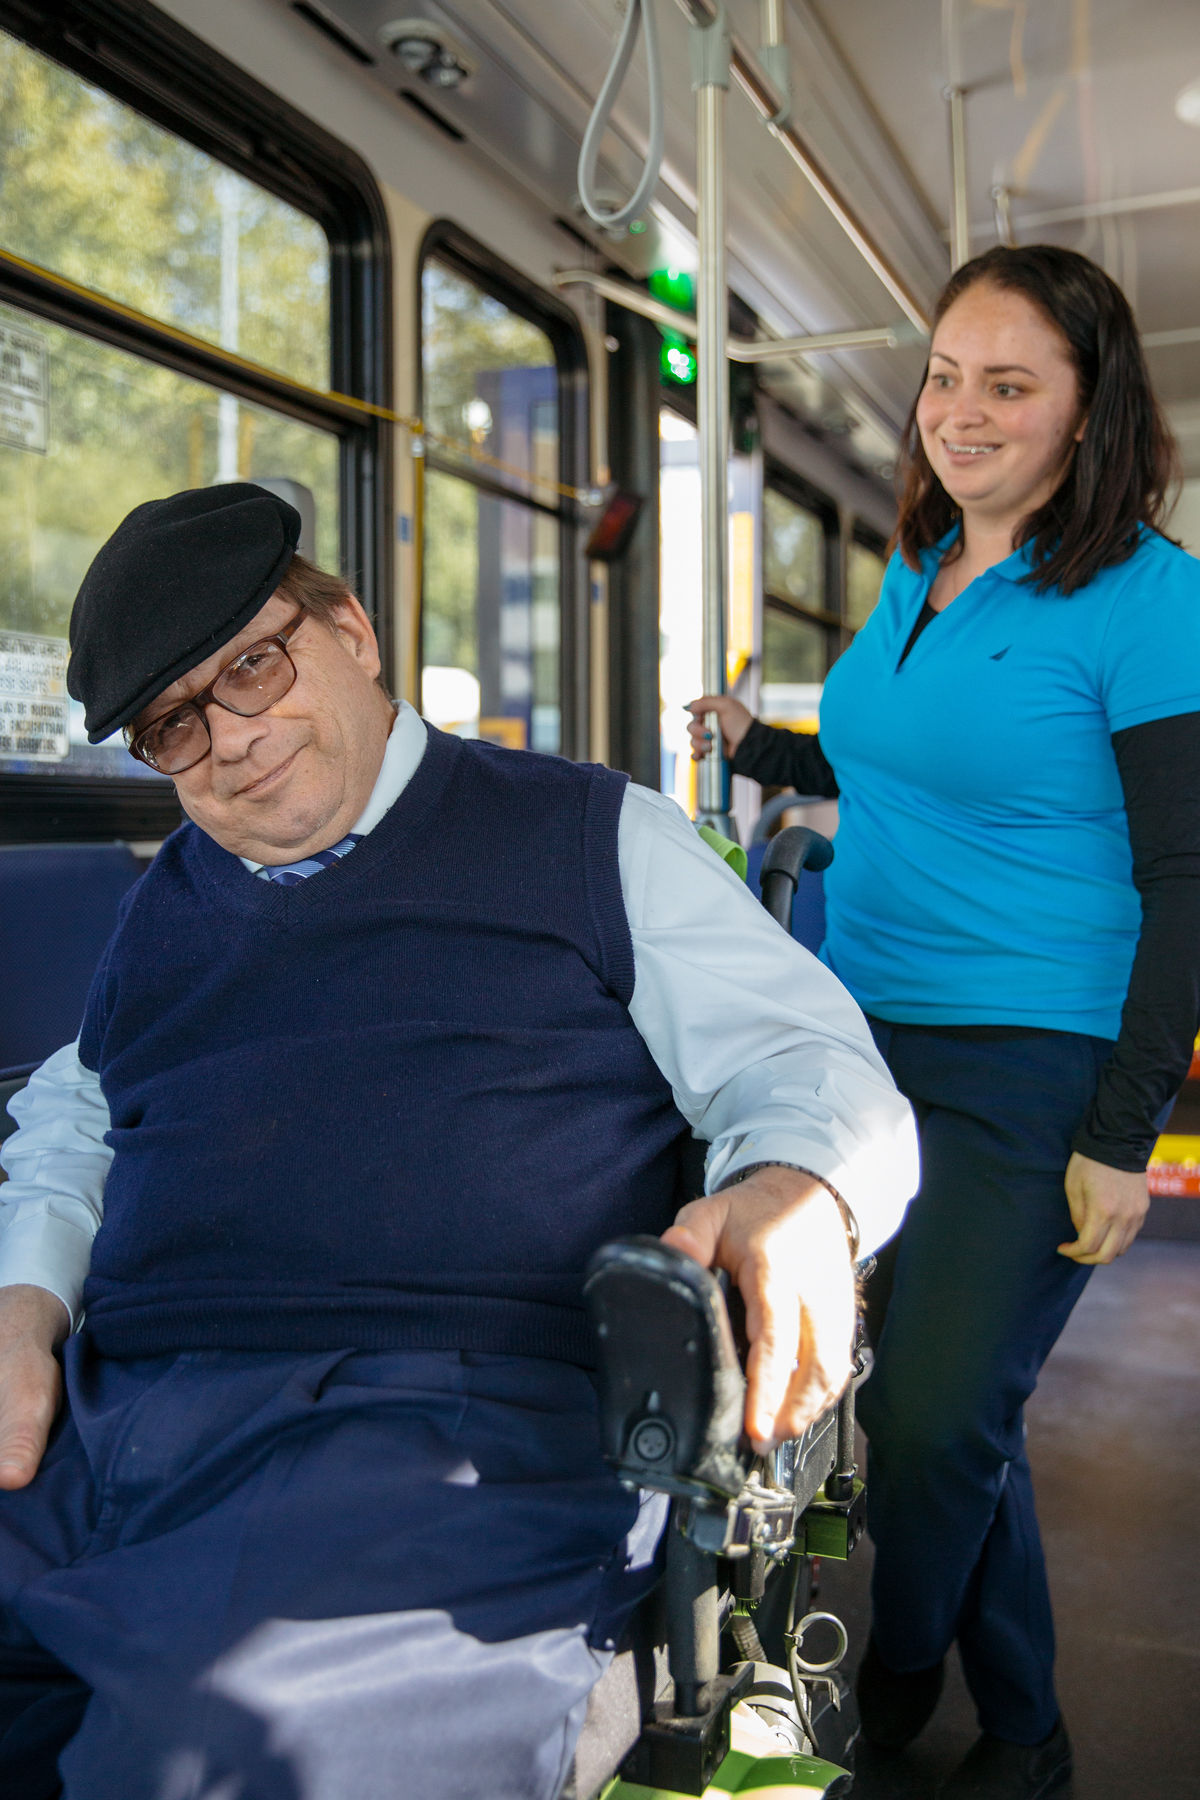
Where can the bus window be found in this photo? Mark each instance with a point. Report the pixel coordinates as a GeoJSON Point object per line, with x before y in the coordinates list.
{"type": "Point", "coordinates": [491, 601]}
{"type": "Point", "coordinates": [490, 621]}
{"type": "Point", "coordinates": [793, 552]}
{"type": "Point", "coordinates": [801, 626]}
{"type": "Point", "coordinates": [114, 430]}
{"type": "Point", "coordinates": [138, 249]}
{"type": "Point", "coordinates": [490, 377]}
{"type": "Point", "coordinates": [94, 191]}
{"type": "Point", "coordinates": [864, 577]}
{"type": "Point", "coordinates": [793, 647]}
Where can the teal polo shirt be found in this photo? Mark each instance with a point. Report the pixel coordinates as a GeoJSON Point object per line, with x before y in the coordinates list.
{"type": "Point", "coordinates": [983, 869]}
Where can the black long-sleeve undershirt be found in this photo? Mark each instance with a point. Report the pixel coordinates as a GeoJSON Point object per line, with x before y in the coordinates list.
{"type": "Point", "coordinates": [1159, 767]}
{"type": "Point", "coordinates": [780, 758]}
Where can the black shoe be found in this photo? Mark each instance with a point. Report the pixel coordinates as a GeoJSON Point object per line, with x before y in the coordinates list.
{"type": "Point", "coordinates": [893, 1707]}
{"type": "Point", "coordinates": [994, 1769]}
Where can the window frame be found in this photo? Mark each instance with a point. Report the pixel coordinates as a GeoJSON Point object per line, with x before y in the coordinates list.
{"type": "Point", "coordinates": [447, 243]}
{"type": "Point", "coordinates": [148, 61]}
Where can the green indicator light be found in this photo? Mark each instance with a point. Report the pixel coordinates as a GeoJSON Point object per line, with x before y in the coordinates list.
{"type": "Point", "coordinates": [637, 226]}
{"type": "Point", "coordinates": [677, 362]}
{"type": "Point", "coordinates": [674, 287]}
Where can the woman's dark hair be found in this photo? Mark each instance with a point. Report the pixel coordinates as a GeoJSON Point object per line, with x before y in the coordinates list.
{"type": "Point", "coordinates": [1123, 466]}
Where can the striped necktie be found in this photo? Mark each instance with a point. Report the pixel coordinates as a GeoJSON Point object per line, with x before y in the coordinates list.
{"type": "Point", "coordinates": [288, 874]}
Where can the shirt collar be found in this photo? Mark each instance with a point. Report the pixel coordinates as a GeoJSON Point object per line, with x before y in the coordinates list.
{"type": "Point", "coordinates": [402, 753]}
{"type": "Point", "coordinates": [1013, 568]}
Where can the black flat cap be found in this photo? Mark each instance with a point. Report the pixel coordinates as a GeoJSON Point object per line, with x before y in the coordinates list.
{"type": "Point", "coordinates": [177, 579]}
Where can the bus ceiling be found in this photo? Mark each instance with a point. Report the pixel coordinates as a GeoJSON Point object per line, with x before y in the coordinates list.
{"type": "Point", "coordinates": [920, 125]}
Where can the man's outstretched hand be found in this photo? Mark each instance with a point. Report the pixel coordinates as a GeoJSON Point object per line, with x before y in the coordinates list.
{"type": "Point", "coordinates": [33, 1322]}
{"type": "Point", "coordinates": [780, 1235]}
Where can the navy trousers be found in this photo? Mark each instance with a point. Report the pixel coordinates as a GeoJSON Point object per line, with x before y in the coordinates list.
{"type": "Point", "coordinates": [964, 1308]}
{"type": "Point", "coordinates": [328, 1577]}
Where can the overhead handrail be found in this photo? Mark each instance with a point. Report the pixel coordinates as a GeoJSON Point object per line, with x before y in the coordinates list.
{"type": "Point", "coordinates": [742, 350]}
{"type": "Point", "coordinates": [597, 125]}
{"type": "Point", "coordinates": [760, 89]}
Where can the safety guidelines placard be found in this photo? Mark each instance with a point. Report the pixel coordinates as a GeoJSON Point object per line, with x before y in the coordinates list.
{"type": "Point", "coordinates": [33, 696]}
{"type": "Point", "coordinates": [24, 388]}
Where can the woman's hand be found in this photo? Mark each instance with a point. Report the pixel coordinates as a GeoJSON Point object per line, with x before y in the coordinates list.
{"type": "Point", "coordinates": [1107, 1209]}
{"type": "Point", "coordinates": [734, 719]}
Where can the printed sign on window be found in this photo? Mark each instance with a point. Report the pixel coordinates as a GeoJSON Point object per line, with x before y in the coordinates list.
{"type": "Point", "coordinates": [24, 388]}
{"type": "Point", "coordinates": [33, 696]}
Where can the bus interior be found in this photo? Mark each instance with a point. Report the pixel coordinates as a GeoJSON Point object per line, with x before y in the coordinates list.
{"type": "Point", "coordinates": [341, 251]}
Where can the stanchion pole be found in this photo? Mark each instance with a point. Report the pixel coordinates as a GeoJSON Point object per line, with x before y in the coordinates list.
{"type": "Point", "coordinates": [711, 49]}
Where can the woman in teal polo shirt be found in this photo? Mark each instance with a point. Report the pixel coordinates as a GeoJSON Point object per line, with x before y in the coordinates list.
{"type": "Point", "coordinates": [1014, 738]}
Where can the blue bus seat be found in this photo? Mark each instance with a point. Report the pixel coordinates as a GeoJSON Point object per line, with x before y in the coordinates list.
{"type": "Point", "coordinates": [58, 907]}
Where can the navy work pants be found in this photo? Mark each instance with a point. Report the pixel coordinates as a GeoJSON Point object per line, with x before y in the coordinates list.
{"type": "Point", "coordinates": [324, 1577]}
{"type": "Point", "coordinates": [967, 1303]}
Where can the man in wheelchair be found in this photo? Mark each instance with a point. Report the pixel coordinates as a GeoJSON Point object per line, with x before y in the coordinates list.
{"type": "Point", "coordinates": [304, 1496]}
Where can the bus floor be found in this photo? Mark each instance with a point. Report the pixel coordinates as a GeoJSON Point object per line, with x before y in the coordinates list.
{"type": "Point", "coordinates": [1114, 1436]}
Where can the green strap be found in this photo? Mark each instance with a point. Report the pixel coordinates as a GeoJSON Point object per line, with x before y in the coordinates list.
{"type": "Point", "coordinates": [726, 849]}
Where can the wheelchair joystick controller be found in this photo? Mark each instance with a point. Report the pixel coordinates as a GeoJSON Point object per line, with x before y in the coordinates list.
{"type": "Point", "coordinates": [672, 1396]}
{"type": "Point", "coordinates": [671, 1388]}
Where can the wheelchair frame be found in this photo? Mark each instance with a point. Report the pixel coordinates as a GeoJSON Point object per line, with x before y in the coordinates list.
{"type": "Point", "coordinates": [672, 1394]}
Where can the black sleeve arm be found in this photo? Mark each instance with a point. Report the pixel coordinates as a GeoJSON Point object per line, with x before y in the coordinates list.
{"type": "Point", "coordinates": [1159, 766]}
{"type": "Point", "coordinates": [780, 758]}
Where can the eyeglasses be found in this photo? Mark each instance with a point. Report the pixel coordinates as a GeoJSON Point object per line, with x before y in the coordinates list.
{"type": "Point", "coordinates": [257, 677]}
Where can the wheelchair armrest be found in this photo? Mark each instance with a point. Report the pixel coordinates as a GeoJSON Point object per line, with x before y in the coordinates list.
{"type": "Point", "coordinates": [671, 1388]}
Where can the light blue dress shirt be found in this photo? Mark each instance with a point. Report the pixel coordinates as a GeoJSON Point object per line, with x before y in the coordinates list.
{"type": "Point", "coordinates": [767, 1055]}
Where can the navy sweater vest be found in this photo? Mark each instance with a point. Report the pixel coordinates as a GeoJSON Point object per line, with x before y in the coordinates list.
{"type": "Point", "coordinates": [395, 1106]}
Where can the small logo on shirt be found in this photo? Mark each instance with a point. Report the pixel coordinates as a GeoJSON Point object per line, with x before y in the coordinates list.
{"type": "Point", "coordinates": [997, 654]}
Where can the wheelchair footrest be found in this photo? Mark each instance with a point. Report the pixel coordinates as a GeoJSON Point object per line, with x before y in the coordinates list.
{"type": "Point", "coordinates": [683, 1754]}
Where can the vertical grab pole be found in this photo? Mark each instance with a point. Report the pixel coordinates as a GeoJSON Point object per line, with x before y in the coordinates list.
{"type": "Point", "coordinates": [597, 608]}
{"type": "Point", "coordinates": [955, 92]}
{"type": "Point", "coordinates": [960, 226]}
{"type": "Point", "coordinates": [711, 51]}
